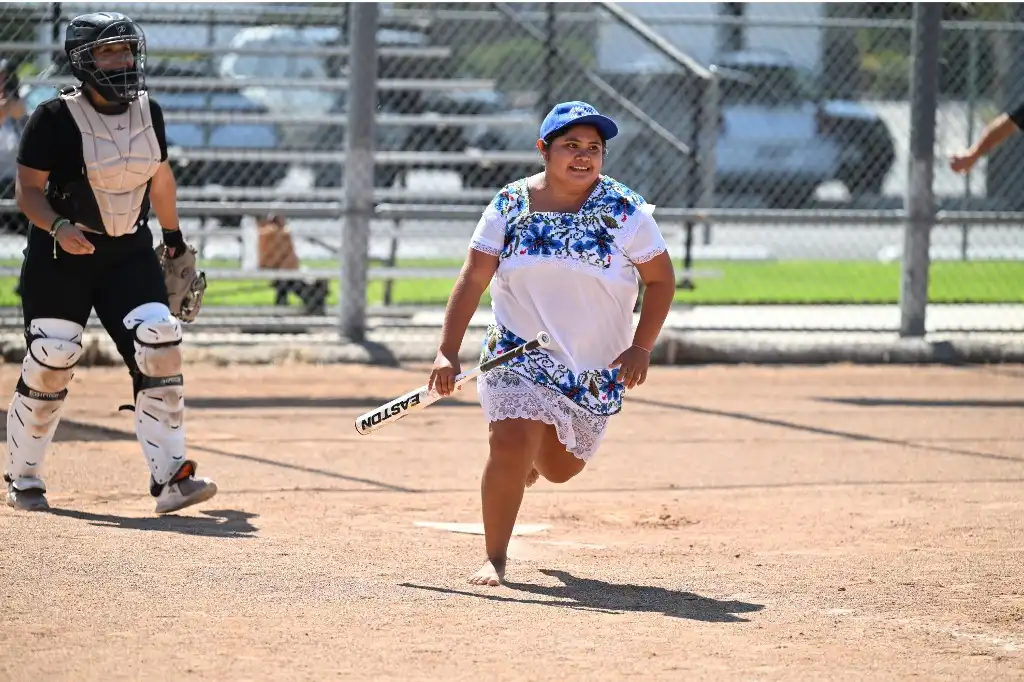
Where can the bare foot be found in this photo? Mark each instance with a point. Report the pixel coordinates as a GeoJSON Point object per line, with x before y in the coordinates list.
{"type": "Point", "coordinates": [491, 573]}
{"type": "Point", "coordinates": [532, 478]}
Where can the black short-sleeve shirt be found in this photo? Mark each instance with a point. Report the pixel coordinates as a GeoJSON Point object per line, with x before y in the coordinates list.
{"type": "Point", "coordinates": [52, 142]}
{"type": "Point", "coordinates": [1017, 115]}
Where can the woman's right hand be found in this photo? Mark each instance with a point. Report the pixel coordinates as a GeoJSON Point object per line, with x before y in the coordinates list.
{"type": "Point", "coordinates": [443, 373]}
{"type": "Point", "coordinates": [72, 239]}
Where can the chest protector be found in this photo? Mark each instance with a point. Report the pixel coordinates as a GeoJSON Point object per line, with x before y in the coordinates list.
{"type": "Point", "coordinates": [121, 155]}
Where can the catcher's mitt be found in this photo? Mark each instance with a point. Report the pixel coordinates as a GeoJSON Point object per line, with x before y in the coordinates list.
{"type": "Point", "coordinates": [185, 285]}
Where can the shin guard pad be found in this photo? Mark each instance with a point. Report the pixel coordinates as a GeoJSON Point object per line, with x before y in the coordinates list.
{"type": "Point", "coordinates": [159, 389]}
{"type": "Point", "coordinates": [53, 348]}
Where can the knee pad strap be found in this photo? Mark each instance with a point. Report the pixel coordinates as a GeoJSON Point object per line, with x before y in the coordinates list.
{"type": "Point", "coordinates": [159, 389]}
{"type": "Point", "coordinates": [53, 349]}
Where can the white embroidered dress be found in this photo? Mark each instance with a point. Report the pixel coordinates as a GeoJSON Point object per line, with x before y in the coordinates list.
{"type": "Point", "coordinates": [572, 275]}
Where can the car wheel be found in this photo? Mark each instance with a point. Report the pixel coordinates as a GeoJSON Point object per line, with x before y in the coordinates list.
{"type": "Point", "coordinates": [791, 196]}
{"type": "Point", "coordinates": [862, 181]}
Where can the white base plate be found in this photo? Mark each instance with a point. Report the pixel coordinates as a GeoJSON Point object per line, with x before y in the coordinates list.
{"type": "Point", "coordinates": [478, 528]}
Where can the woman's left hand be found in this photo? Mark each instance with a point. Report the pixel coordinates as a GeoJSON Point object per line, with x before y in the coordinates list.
{"type": "Point", "coordinates": [633, 364]}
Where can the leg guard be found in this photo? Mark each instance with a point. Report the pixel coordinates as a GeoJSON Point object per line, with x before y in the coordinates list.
{"type": "Point", "coordinates": [159, 391]}
{"type": "Point", "coordinates": [53, 349]}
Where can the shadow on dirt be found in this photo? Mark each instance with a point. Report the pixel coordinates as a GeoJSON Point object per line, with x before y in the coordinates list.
{"type": "Point", "coordinates": [926, 403]}
{"type": "Point", "coordinates": [587, 594]}
{"type": "Point", "coordinates": [218, 523]}
{"type": "Point", "coordinates": [299, 467]}
{"type": "Point", "coordinates": [1013, 372]}
{"type": "Point", "coordinates": [298, 402]}
{"type": "Point", "coordinates": [823, 431]}
{"type": "Point", "coordinates": [70, 430]}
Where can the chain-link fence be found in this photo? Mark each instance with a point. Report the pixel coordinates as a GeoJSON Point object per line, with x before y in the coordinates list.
{"type": "Point", "coordinates": [799, 141]}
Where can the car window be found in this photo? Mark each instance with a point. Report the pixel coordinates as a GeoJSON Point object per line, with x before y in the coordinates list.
{"type": "Point", "coordinates": [252, 67]}
{"type": "Point", "coordinates": [772, 86]}
{"type": "Point", "coordinates": [255, 66]}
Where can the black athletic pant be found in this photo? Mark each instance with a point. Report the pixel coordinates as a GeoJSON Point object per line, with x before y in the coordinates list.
{"type": "Point", "coordinates": [120, 275]}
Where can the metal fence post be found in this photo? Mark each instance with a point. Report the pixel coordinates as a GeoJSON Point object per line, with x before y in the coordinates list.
{"type": "Point", "coordinates": [55, 22]}
{"type": "Point", "coordinates": [693, 186]}
{"type": "Point", "coordinates": [972, 99]}
{"type": "Point", "coordinates": [359, 168]}
{"type": "Point", "coordinates": [547, 98]}
{"type": "Point", "coordinates": [920, 204]}
{"type": "Point", "coordinates": [710, 124]}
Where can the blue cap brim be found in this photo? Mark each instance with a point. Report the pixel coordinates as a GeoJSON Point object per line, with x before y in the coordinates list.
{"type": "Point", "coordinates": [604, 125]}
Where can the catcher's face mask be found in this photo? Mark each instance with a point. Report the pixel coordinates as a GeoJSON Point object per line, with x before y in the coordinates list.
{"type": "Point", "coordinates": [113, 65]}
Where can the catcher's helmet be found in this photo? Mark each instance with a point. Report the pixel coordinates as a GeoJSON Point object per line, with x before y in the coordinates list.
{"type": "Point", "coordinates": [87, 32]}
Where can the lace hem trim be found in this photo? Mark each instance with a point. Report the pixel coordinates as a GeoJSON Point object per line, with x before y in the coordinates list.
{"type": "Point", "coordinates": [506, 395]}
{"type": "Point", "coordinates": [649, 255]}
{"type": "Point", "coordinates": [480, 246]}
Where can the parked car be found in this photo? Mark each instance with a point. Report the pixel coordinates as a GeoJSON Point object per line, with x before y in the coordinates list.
{"type": "Point", "coordinates": [772, 139]}
{"type": "Point", "coordinates": [517, 137]}
{"type": "Point", "coordinates": [248, 69]}
{"type": "Point", "coordinates": [867, 148]}
{"type": "Point", "coordinates": [429, 136]}
{"type": "Point", "coordinates": [769, 140]}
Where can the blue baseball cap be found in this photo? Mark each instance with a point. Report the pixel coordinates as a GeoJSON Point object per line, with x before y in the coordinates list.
{"type": "Point", "coordinates": [577, 113]}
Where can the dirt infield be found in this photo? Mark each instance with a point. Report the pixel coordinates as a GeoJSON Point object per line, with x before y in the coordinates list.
{"type": "Point", "coordinates": [740, 523]}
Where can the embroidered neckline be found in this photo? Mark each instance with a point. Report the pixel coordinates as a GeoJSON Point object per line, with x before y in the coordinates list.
{"type": "Point", "coordinates": [527, 210]}
{"type": "Point", "coordinates": [586, 238]}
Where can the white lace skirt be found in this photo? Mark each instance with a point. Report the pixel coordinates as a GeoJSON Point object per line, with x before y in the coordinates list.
{"type": "Point", "coordinates": [507, 395]}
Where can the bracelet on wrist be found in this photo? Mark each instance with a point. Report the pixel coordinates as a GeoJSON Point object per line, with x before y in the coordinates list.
{"type": "Point", "coordinates": [57, 224]}
{"type": "Point", "coordinates": [637, 345]}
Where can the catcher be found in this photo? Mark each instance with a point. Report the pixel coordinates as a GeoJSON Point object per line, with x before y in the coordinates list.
{"type": "Point", "coordinates": [92, 162]}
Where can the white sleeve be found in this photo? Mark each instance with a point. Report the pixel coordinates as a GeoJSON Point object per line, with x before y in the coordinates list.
{"type": "Point", "coordinates": [489, 235]}
{"type": "Point", "coordinates": [647, 241]}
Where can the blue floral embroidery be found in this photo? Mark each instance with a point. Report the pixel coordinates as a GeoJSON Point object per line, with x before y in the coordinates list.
{"type": "Point", "coordinates": [597, 239]}
{"type": "Point", "coordinates": [610, 386]}
{"type": "Point", "coordinates": [598, 391]}
{"type": "Point", "coordinates": [508, 199]}
{"type": "Point", "coordinates": [573, 386]}
{"type": "Point", "coordinates": [588, 236]}
{"type": "Point", "coordinates": [620, 204]}
{"type": "Point", "coordinates": [616, 199]}
{"type": "Point", "coordinates": [539, 239]}
{"type": "Point", "coordinates": [508, 341]}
